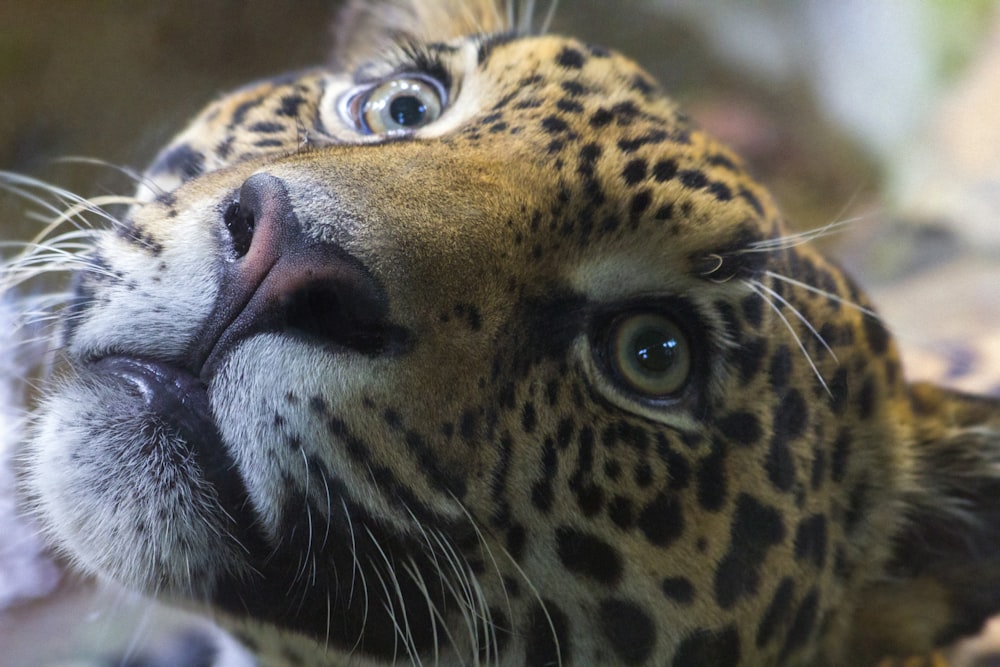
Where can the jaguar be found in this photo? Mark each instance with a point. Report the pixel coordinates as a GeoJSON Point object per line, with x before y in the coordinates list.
{"type": "Point", "coordinates": [470, 347]}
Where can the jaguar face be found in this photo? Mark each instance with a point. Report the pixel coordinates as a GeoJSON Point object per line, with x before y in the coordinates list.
{"type": "Point", "coordinates": [475, 348]}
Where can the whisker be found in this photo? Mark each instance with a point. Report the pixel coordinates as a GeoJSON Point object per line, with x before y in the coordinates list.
{"type": "Point", "coordinates": [829, 295]}
{"type": "Point", "coordinates": [798, 314]}
{"type": "Point", "coordinates": [550, 16]}
{"type": "Point", "coordinates": [752, 285]}
{"type": "Point", "coordinates": [800, 238]}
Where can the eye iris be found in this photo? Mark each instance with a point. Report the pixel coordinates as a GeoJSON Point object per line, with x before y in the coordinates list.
{"type": "Point", "coordinates": [650, 354]}
{"type": "Point", "coordinates": [396, 105]}
{"type": "Point", "coordinates": [407, 110]}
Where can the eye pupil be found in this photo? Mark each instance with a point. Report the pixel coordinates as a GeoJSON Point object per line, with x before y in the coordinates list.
{"type": "Point", "coordinates": [655, 350]}
{"type": "Point", "coordinates": [407, 110]}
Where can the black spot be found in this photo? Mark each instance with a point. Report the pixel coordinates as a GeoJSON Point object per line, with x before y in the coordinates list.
{"type": "Point", "coordinates": [588, 556]}
{"type": "Point", "coordinates": [704, 647]}
{"type": "Point", "coordinates": [569, 106]}
{"type": "Point", "coordinates": [662, 520]}
{"type": "Point", "coordinates": [857, 505]}
{"type": "Point", "coordinates": [678, 469]}
{"type": "Point", "coordinates": [601, 118]}
{"type": "Point", "coordinates": [574, 88]}
{"type": "Point", "coordinates": [780, 465]}
{"type": "Point", "coordinates": [643, 475]}
{"type": "Point", "coordinates": [528, 417]}
{"type": "Point", "coordinates": [692, 178]}
{"type": "Point", "coordinates": [290, 105]}
{"type": "Point", "coordinates": [720, 191]}
{"type": "Point", "coordinates": [678, 589]}
{"type": "Point", "coordinates": [839, 391]}
{"type": "Point", "coordinates": [491, 42]}
{"type": "Point", "coordinates": [743, 428]}
{"type": "Point", "coordinates": [810, 540]}
{"type": "Point", "coordinates": [642, 84]}
{"type": "Point", "coordinates": [652, 137]}
{"type": "Point", "coordinates": [789, 422]}
{"type": "Point", "coordinates": [552, 392]}
{"type": "Point", "coordinates": [224, 147]}
{"type": "Point", "coordinates": [182, 160]}
{"type": "Point", "coordinates": [753, 309]}
{"type": "Point", "coordinates": [665, 212]}
{"type": "Point", "coordinates": [640, 202]}
{"type": "Point", "coordinates": [492, 638]}
{"type": "Point", "coordinates": [269, 143]}
{"type": "Point", "coordinates": [318, 404]}
{"type": "Point", "coordinates": [620, 512]}
{"type": "Point", "coordinates": [818, 468]}
{"type": "Point", "coordinates": [781, 368]}
{"type": "Point", "coordinates": [546, 636]}
{"type": "Point", "coordinates": [267, 127]}
{"type": "Point", "coordinates": [777, 612]}
{"type": "Point", "coordinates": [634, 172]}
{"type": "Point", "coordinates": [752, 199]}
{"type": "Point", "coordinates": [517, 537]}
{"type": "Point", "coordinates": [571, 58]}
{"type": "Point", "coordinates": [842, 568]}
{"type": "Point", "coordinates": [711, 479]}
{"type": "Point", "coordinates": [749, 357]}
{"type": "Point", "coordinates": [590, 498]}
{"type": "Point", "coordinates": [554, 125]}
{"type": "Point", "coordinates": [541, 491]}
{"type": "Point", "coordinates": [468, 426]}
{"type": "Point", "coordinates": [866, 398]}
{"type": "Point", "coordinates": [664, 170]}
{"type": "Point", "coordinates": [839, 456]}
{"type": "Point", "coordinates": [756, 528]}
{"type": "Point", "coordinates": [588, 156]}
{"type": "Point", "coordinates": [629, 629]}
{"type": "Point", "coordinates": [241, 111]}
{"type": "Point", "coordinates": [876, 335]}
{"type": "Point", "coordinates": [802, 626]}
{"type": "Point", "coordinates": [564, 433]}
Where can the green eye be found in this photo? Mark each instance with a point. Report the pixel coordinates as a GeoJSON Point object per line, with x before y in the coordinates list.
{"type": "Point", "coordinates": [650, 354]}
{"type": "Point", "coordinates": [397, 105]}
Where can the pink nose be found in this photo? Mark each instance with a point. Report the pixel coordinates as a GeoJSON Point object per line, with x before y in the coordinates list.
{"type": "Point", "coordinates": [281, 280]}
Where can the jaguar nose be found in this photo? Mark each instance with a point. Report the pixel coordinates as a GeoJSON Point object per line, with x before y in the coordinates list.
{"type": "Point", "coordinates": [278, 279]}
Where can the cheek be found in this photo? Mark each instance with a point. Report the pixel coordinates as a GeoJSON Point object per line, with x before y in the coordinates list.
{"type": "Point", "coordinates": [274, 400]}
{"type": "Point", "coordinates": [106, 471]}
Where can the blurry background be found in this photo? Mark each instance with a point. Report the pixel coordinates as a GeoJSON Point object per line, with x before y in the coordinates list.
{"type": "Point", "coordinates": [881, 112]}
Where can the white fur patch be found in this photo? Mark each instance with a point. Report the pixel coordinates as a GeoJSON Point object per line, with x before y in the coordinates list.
{"type": "Point", "coordinates": [25, 571]}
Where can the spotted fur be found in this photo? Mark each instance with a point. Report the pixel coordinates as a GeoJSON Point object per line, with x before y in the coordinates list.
{"type": "Point", "coordinates": [353, 391]}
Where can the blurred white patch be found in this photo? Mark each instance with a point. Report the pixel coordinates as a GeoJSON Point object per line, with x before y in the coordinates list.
{"type": "Point", "coordinates": [25, 571]}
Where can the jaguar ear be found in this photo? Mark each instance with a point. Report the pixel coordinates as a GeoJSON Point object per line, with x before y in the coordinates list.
{"type": "Point", "coordinates": [943, 579]}
{"type": "Point", "coordinates": [365, 28]}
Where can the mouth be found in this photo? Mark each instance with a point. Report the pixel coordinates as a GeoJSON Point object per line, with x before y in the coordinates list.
{"type": "Point", "coordinates": [179, 400]}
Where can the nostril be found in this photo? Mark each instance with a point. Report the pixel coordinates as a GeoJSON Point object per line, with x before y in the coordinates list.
{"type": "Point", "coordinates": [240, 224]}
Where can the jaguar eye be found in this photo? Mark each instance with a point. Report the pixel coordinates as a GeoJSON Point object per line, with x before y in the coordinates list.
{"type": "Point", "coordinates": [397, 105]}
{"type": "Point", "coordinates": [649, 354]}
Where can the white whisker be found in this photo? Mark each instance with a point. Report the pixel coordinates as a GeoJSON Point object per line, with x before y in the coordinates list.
{"type": "Point", "coordinates": [798, 314]}
{"type": "Point", "coordinates": [753, 286]}
{"type": "Point", "coordinates": [829, 295]}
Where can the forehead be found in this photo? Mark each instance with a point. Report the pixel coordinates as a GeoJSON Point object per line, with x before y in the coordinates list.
{"type": "Point", "coordinates": [633, 175]}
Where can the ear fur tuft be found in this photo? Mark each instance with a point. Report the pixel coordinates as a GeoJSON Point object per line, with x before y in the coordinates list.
{"type": "Point", "coordinates": [365, 29]}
